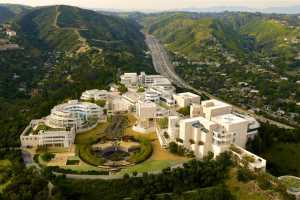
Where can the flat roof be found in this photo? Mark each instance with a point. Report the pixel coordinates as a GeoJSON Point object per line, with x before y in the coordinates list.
{"type": "Point", "coordinates": [132, 96]}
{"type": "Point", "coordinates": [187, 95]}
{"type": "Point", "coordinates": [214, 104]}
{"type": "Point", "coordinates": [202, 120]}
{"type": "Point", "coordinates": [228, 119]}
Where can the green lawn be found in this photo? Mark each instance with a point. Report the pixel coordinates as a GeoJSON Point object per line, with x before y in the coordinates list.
{"type": "Point", "coordinates": [150, 165]}
{"type": "Point", "coordinates": [84, 141]}
{"type": "Point", "coordinates": [283, 159]}
{"type": "Point", "coordinates": [92, 135]}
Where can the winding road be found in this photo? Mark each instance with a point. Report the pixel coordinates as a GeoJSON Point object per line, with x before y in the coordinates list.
{"type": "Point", "coordinates": [164, 67]}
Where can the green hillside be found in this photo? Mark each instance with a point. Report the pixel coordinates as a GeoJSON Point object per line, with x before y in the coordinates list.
{"type": "Point", "coordinates": [67, 50]}
{"type": "Point", "coordinates": [6, 14]}
{"type": "Point", "coordinates": [271, 34]}
{"type": "Point", "coordinates": [71, 29]}
{"type": "Point", "coordinates": [10, 11]}
{"type": "Point", "coordinates": [239, 33]}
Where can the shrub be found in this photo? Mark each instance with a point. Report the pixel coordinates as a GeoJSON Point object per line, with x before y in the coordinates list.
{"type": "Point", "coordinates": [134, 173]}
{"type": "Point", "coordinates": [144, 152]}
{"type": "Point", "coordinates": [47, 156]}
{"type": "Point", "coordinates": [184, 111]}
{"type": "Point", "coordinates": [163, 123]}
{"type": "Point", "coordinates": [173, 147]}
{"type": "Point", "coordinates": [263, 183]}
{"type": "Point", "coordinates": [245, 175]}
{"type": "Point", "coordinates": [249, 159]}
{"type": "Point", "coordinates": [100, 103]}
{"type": "Point", "coordinates": [122, 88]}
{"type": "Point", "coordinates": [70, 171]}
{"type": "Point", "coordinates": [126, 176]}
{"type": "Point", "coordinates": [192, 141]}
{"type": "Point", "coordinates": [141, 89]}
{"type": "Point", "coordinates": [179, 140]}
{"type": "Point", "coordinates": [87, 155]}
{"type": "Point", "coordinates": [166, 135]}
{"type": "Point", "coordinates": [72, 162]}
{"type": "Point", "coordinates": [177, 149]}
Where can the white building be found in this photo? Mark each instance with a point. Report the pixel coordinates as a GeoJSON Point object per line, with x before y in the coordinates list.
{"type": "Point", "coordinates": [129, 79]}
{"type": "Point", "coordinates": [153, 80]}
{"type": "Point", "coordinates": [120, 104]}
{"type": "Point", "coordinates": [94, 94]}
{"type": "Point", "coordinates": [74, 114]}
{"type": "Point", "coordinates": [213, 127]}
{"type": "Point", "coordinates": [33, 137]}
{"type": "Point", "coordinates": [153, 96]}
{"type": "Point", "coordinates": [186, 99]}
{"type": "Point", "coordinates": [11, 33]}
{"type": "Point", "coordinates": [146, 112]}
{"type": "Point", "coordinates": [221, 112]}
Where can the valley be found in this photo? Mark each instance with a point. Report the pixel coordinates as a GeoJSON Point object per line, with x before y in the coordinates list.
{"type": "Point", "coordinates": [228, 59]}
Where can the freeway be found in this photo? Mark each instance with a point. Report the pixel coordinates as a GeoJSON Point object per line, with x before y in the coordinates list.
{"type": "Point", "coordinates": [164, 67]}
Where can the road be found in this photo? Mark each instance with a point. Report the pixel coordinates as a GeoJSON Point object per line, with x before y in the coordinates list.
{"type": "Point", "coordinates": [164, 67]}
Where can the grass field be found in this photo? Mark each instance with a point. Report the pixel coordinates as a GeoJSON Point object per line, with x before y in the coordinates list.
{"type": "Point", "coordinates": [283, 159]}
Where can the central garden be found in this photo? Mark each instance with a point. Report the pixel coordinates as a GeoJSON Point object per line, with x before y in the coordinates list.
{"type": "Point", "coordinates": [109, 146]}
{"type": "Point", "coordinates": [112, 146]}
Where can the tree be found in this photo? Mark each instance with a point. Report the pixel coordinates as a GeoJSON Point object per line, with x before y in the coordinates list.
{"type": "Point", "coordinates": [141, 89]}
{"type": "Point", "coordinates": [173, 147]}
{"type": "Point", "coordinates": [100, 103]}
{"type": "Point", "coordinates": [244, 174]}
{"type": "Point", "coordinates": [184, 111]}
{"type": "Point", "coordinates": [47, 156]}
{"type": "Point", "coordinates": [134, 173]}
{"type": "Point", "coordinates": [122, 88]}
{"type": "Point", "coordinates": [163, 123]}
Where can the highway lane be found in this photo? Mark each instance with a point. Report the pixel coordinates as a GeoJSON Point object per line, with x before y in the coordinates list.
{"type": "Point", "coordinates": [164, 67]}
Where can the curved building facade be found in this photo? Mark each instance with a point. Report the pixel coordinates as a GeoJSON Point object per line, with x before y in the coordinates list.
{"type": "Point", "coordinates": [73, 114]}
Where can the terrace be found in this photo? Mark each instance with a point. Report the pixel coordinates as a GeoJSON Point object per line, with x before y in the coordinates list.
{"type": "Point", "coordinates": [249, 159]}
{"type": "Point", "coordinates": [293, 185]}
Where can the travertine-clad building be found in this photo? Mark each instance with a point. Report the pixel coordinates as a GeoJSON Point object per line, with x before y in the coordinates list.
{"type": "Point", "coordinates": [129, 79]}
{"type": "Point", "coordinates": [212, 127]}
{"type": "Point", "coordinates": [186, 99]}
{"type": "Point", "coordinates": [73, 114]}
{"type": "Point", "coordinates": [37, 135]}
{"type": "Point", "coordinates": [59, 128]}
{"type": "Point", "coordinates": [94, 94]}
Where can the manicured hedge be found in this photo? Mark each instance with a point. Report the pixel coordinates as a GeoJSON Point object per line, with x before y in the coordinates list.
{"type": "Point", "coordinates": [144, 153]}
{"type": "Point", "coordinates": [88, 156]}
{"type": "Point", "coordinates": [69, 171]}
